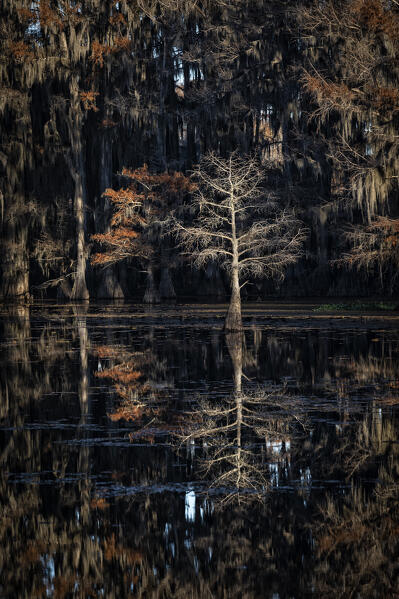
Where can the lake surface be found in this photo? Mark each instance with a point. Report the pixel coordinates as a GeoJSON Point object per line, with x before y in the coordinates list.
{"type": "Point", "coordinates": [144, 453]}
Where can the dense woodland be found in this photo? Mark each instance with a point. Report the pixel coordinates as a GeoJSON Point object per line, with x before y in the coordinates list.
{"type": "Point", "coordinates": [106, 107]}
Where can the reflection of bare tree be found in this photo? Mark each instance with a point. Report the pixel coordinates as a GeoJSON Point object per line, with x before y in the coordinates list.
{"type": "Point", "coordinates": [239, 431]}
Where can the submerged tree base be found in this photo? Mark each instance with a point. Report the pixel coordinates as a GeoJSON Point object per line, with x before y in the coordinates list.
{"type": "Point", "coordinates": [233, 321]}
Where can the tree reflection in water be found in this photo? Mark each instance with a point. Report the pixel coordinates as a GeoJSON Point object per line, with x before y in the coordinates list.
{"type": "Point", "coordinates": [85, 512]}
{"type": "Point", "coordinates": [239, 433]}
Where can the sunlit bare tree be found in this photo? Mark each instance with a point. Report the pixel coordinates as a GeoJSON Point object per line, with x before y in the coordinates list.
{"type": "Point", "coordinates": [239, 224]}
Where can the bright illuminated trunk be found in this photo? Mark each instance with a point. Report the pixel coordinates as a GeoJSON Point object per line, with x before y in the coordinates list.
{"type": "Point", "coordinates": [233, 318]}
{"type": "Point", "coordinates": [79, 290]}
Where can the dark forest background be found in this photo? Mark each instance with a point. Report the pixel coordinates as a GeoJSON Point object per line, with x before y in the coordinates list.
{"type": "Point", "coordinates": [88, 88]}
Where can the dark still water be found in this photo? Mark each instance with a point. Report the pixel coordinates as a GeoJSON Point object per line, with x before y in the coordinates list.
{"type": "Point", "coordinates": [144, 453]}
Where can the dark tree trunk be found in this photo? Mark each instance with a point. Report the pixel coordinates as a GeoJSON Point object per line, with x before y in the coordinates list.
{"type": "Point", "coordinates": [77, 166]}
{"type": "Point", "coordinates": [166, 289]}
{"type": "Point", "coordinates": [151, 295]}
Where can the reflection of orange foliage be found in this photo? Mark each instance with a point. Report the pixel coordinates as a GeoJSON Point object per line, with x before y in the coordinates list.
{"type": "Point", "coordinates": [108, 123]}
{"type": "Point", "coordinates": [89, 100]}
{"type": "Point", "coordinates": [344, 536]}
{"type": "Point", "coordinates": [128, 412]}
{"type": "Point", "coordinates": [99, 503]}
{"type": "Point", "coordinates": [63, 586]}
{"type": "Point", "coordinates": [117, 19]}
{"type": "Point", "coordinates": [107, 351]}
{"type": "Point", "coordinates": [122, 374]}
{"type": "Point", "coordinates": [33, 553]}
{"type": "Point", "coordinates": [129, 383]}
{"type": "Point", "coordinates": [113, 551]}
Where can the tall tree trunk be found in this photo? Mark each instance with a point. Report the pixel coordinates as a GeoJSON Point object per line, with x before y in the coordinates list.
{"type": "Point", "coordinates": [15, 259]}
{"type": "Point", "coordinates": [77, 165]}
{"type": "Point", "coordinates": [15, 166]}
{"type": "Point", "coordinates": [80, 290]}
{"type": "Point", "coordinates": [233, 318]}
{"type": "Point", "coordinates": [151, 295]}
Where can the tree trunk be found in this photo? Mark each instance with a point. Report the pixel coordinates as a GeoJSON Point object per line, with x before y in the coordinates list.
{"type": "Point", "coordinates": [76, 162]}
{"type": "Point", "coordinates": [15, 261]}
{"type": "Point", "coordinates": [233, 317]}
{"type": "Point", "coordinates": [166, 289]}
{"type": "Point", "coordinates": [151, 295]}
{"type": "Point", "coordinates": [234, 342]}
{"type": "Point", "coordinates": [80, 290]}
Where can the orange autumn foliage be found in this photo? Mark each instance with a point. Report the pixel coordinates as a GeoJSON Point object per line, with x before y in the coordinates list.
{"type": "Point", "coordinates": [117, 19]}
{"type": "Point", "coordinates": [48, 17]}
{"type": "Point", "coordinates": [108, 123]}
{"type": "Point", "coordinates": [122, 44]}
{"type": "Point", "coordinates": [135, 208]}
{"type": "Point", "coordinates": [98, 52]}
{"type": "Point", "coordinates": [122, 374]}
{"type": "Point", "coordinates": [26, 15]}
{"type": "Point", "coordinates": [385, 98]}
{"type": "Point", "coordinates": [89, 100]}
{"type": "Point", "coordinates": [99, 503]}
{"type": "Point", "coordinates": [377, 17]}
{"type": "Point", "coordinates": [327, 90]}
{"type": "Point", "coordinates": [21, 52]}
{"type": "Point", "coordinates": [113, 551]}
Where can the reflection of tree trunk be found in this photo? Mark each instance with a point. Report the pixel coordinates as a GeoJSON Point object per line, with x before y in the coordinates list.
{"type": "Point", "coordinates": [84, 451]}
{"type": "Point", "coordinates": [166, 289]}
{"type": "Point", "coordinates": [234, 342]}
{"type": "Point", "coordinates": [151, 295]}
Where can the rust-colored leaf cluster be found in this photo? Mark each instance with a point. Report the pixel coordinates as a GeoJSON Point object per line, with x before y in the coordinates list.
{"type": "Point", "coordinates": [385, 99]}
{"type": "Point", "coordinates": [122, 44]}
{"type": "Point", "coordinates": [98, 52]}
{"type": "Point", "coordinates": [26, 15]}
{"type": "Point", "coordinates": [113, 551]}
{"type": "Point", "coordinates": [89, 100]}
{"type": "Point", "coordinates": [117, 19]}
{"type": "Point", "coordinates": [164, 183]}
{"type": "Point", "coordinates": [337, 93]}
{"type": "Point", "coordinates": [21, 52]}
{"type": "Point", "coordinates": [135, 208]}
{"type": "Point", "coordinates": [376, 16]}
{"type": "Point", "coordinates": [99, 503]}
{"type": "Point", "coordinates": [49, 17]}
{"type": "Point", "coordinates": [122, 373]}
{"type": "Point", "coordinates": [108, 123]}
